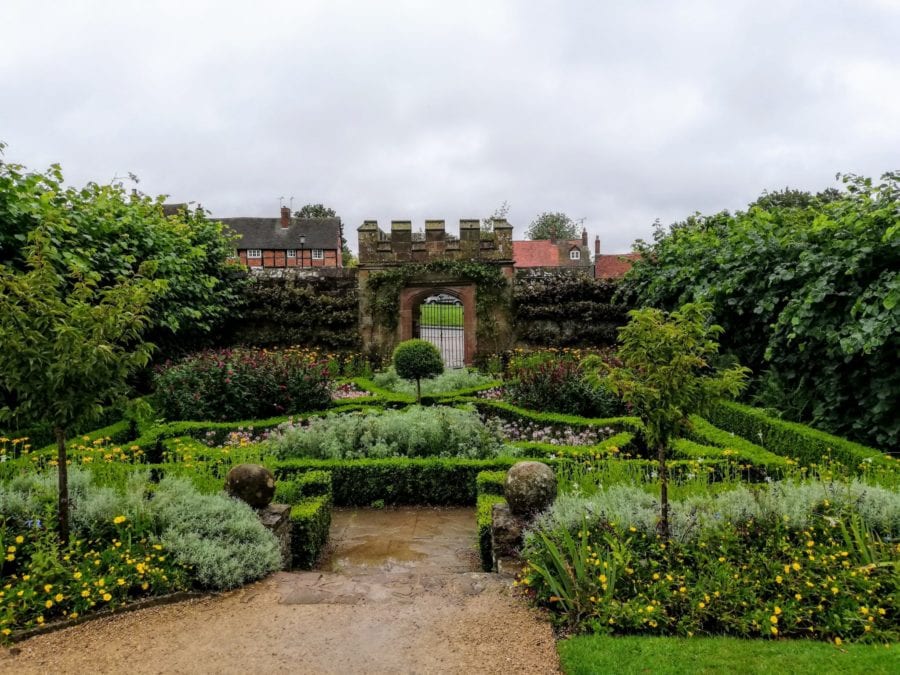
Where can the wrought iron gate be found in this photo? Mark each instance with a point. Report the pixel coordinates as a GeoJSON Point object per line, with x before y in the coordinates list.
{"type": "Point", "coordinates": [440, 321]}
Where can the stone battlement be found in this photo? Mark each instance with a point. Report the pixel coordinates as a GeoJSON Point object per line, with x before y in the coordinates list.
{"type": "Point", "coordinates": [377, 247]}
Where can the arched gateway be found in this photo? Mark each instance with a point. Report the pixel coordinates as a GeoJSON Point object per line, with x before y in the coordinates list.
{"type": "Point", "coordinates": [422, 287]}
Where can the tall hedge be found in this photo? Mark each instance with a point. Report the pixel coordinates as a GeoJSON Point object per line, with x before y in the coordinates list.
{"type": "Point", "coordinates": [566, 310]}
{"type": "Point", "coordinates": [808, 292]}
{"type": "Point", "coordinates": [318, 312]}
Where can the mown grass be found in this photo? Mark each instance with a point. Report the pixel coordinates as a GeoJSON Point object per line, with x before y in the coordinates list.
{"type": "Point", "coordinates": [441, 315]}
{"type": "Point", "coordinates": [603, 654]}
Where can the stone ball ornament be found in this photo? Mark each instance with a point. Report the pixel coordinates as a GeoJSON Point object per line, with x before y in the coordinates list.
{"type": "Point", "coordinates": [530, 488]}
{"type": "Point", "coordinates": [251, 483]}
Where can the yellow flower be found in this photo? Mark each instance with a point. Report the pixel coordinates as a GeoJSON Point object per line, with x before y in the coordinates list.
{"type": "Point", "coordinates": [73, 615]}
{"type": "Point", "coordinates": [777, 609]}
{"type": "Point", "coordinates": [120, 581]}
{"type": "Point", "coordinates": [774, 630]}
{"type": "Point", "coordinates": [838, 641]}
{"type": "Point", "coordinates": [6, 631]}
{"type": "Point", "coordinates": [796, 566]}
{"type": "Point", "coordinates": [40, 619]}
{"type": "Point", "coordinates": [701, 605]}
{"type": "Point", "coordinates": [20, 539]}
{"type": "Point", "coordinates": [48, 588]}
{"type": "Point", "coordinates": [118, 520]}
{"type": "Point", "coordinates": [778, 579]}
{"type": "Point", "coordinates": [84, 594]}
{"type": "Point", "coordinates": [48, 604]}
{"type": "Point", "coordinates": [59, 597]}
{"type": "Point", "coordinates": [107, 597]}
{"type": "Point", "coordinates": [798, 597]}
{"type": "Point", "coordinates": [773, 619]}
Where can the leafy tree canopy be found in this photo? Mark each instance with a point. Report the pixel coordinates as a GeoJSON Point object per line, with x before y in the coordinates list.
{"type": "Point", "coordinates": [104, 233]}
{"type": "Point", "coordinates": [667, 374]}
{"type": "Point", "coordinates": [417, 360]}
{"type": "Point", "coordinates": [555, 225]}
{"type": "Point", "coordinates": [69, 344]}
{"type": "Point", "coordinates": [808, 291]}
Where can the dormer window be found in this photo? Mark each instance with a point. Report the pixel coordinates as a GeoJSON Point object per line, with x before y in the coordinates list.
{"type": "Point", "coordinates": [574, 254]}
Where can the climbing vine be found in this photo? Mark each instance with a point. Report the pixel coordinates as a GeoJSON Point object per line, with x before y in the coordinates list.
{"type": "Point", "coordinates": [384, 287]}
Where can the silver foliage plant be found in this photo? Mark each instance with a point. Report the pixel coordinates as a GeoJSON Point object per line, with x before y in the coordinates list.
{"type": "Point", "coordinates": [795, 503]}
{"type": "Point", "coordinates": [219, 538]}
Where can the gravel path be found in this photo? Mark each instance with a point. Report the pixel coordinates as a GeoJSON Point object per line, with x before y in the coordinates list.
{"type": "Point", "coordinates": [388, 619]}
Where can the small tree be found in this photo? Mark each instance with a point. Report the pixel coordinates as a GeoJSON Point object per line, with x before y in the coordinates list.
{"type": "Point", "coordinates": [67, 346]}
{"type": "Point", "coordinates": [417, 359]}
{"type": "Point", "coordinates": [553, 226]}
{"type": "Point", "coordinates": [666, 376]}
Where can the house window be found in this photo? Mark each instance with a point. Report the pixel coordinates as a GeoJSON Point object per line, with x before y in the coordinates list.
{"type": "Point", "coordinates": [318, 254]}
{"type": "Point", "coordinates": [291, 253]}
{"type": "Point", "coordinates": [574, 254]}
{"type": "Point", "coordinates": [254, 253]}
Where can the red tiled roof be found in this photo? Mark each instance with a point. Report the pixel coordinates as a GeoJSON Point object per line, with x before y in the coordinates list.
{"type": "Point", "coordinates": [539, 253]}
{"type": "Point", "coordinates": [613, 265]}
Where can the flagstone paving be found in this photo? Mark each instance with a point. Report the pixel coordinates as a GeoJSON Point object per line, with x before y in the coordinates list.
{"type": "Point", "coordinates": [399, 593]}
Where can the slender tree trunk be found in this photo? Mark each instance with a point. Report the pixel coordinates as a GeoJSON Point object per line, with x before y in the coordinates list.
{"type": "Point", "coordinates": [61, 460]}
{"type": "Point", "coordinates": [663, 493]}
{"type": "Point", "coordinates": [418, 391]}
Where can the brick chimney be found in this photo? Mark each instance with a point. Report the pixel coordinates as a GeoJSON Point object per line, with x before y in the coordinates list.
{"type": "Point", "coordinates": [285, 217]}
{"type": "Point", "coordinates": [596, 245]}
{"type": "Point", "coordinates": [584, 236]}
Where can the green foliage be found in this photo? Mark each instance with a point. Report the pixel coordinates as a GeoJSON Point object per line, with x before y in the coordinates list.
{"type": "Point", "coordinates": [417, 360]}
{"type": "Point", "coordinates": [484, 509]}
{"type": "Point", "coordinates": [303, 486]}
{"type": "Point", "coordinates": [106, 233]}
{"type": "Point", "coordinates": [740, 563]}
{"type": "Point", "coordinates": [219, 538]}
{"type": "Point", "coordinates": [553, 225]}
{"type": "Point", "coordinates": [437, 482]}
{"type": "Point", "coordinates": [449, 382]}
{"type": "Point", "coordinates": [561, 385]}
{"type": "Point", "coordinates": [414, 432]}
{"type": "Point", "coordinates": [807, 292]}
{"type": "Point", "coordinates": [310, 522]}
{"type": "Point", "coordinates": [797, 441]}
{"type": "Point", "coordinates": [236, 384]}
{"type": "Point", "coordinates": [510, 411]}
{"type": "Point", "coordinates": [490, 482]}
{"type": "Point", "coordinates": [312, 311]}
{"type": "Point", "coordinates": [566, 310]}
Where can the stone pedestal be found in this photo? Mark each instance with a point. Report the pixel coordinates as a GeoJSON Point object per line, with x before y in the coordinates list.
{"type": "Point", "coordinates": [506, 536]}
{"type": "Point", "coordinates": [277, 519]}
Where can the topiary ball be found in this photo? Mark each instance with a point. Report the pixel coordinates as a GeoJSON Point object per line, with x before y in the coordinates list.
{"type": "Point", "coordinates": [417, 359]}
{"type": "Point", "coordinates": [530, 487]}
{"type": "Point", "coordinates": [251, 483]}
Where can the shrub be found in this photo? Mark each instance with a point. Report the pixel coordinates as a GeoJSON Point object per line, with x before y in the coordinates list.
{"type": "Point", "coordinates": [800, 442]}
{"type": "Point", "coordinates": [438, 482]}
{"type": "Point", "coordinates": [219, 538]}
{"type": "Point", "coordinates": [241, 384]}
{"type": "Point", "coordinates": [450, 381]}
{"type": "Point", "coordinates": [559, 385]}
{"type": "Point", "coordinates": [414, 432]}
{"type": "Point", "coordinates": [417, 360]}
{"type": "Point", "coordinates": [792, 560]}
{"type": "Point", "coordinates": [310, 522]}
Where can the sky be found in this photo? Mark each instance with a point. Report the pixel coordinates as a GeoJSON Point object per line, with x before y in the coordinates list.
{"type": "Point", "coordinates": [617, 113]}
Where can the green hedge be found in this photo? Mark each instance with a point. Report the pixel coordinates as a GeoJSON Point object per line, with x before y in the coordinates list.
{"type": "Point", "coordinates": [490, 482]}
{"type": "Point", "coordinates": [310, 523]}
{"type": "Point", "coordinates": [508, 410]}
{"type": "Point", "coordinates": [484, 510]}
{"type": "Point", "coordinates": [738, 448]}
{"type": "Point", "coordinates": [303, 486]}
{"type": "Point", "coordinates": [400, 480]}
{"type": "Point", "coordinates": [789, 439]}
{"type": "Point", "coordinates": [624, 443]}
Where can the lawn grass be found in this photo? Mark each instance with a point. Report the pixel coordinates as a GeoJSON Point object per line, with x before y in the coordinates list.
{"type": "Point", "coordinates": [603, 654]}
{"type": "Point", "coordinates": [441, 315]}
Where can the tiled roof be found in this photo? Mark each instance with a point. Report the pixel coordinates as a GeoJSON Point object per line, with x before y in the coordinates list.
{"type": "Point", "coordinates": [540, 253]}
{"type": "Point", "coordinates": [546, 253]}
{"type": "Point", "coordinates": [613, 265]}
{"type": "Point", "coordinates": [267, 233]}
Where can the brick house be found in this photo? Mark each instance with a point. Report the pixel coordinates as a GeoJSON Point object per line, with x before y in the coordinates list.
{"type": "Point", "coordinates": [572, 254]}
{"type": "Point", "coordinates": [287, 241]}
{"type": "Point", "coordinates": [612, 265]}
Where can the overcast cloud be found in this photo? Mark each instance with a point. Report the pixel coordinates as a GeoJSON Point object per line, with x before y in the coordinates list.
{"type": "Point", "coordinates": [616, 112]}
